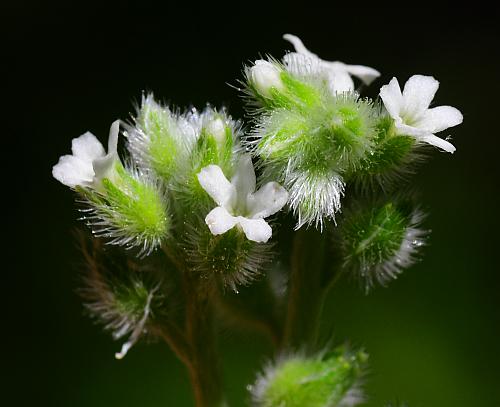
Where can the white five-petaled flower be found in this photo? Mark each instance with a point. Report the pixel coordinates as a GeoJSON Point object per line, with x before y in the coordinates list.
{"type": "Point", "coordinates": [411, 113]}
{"type": "Point", "coordinates": [89, 163]}
{"type": "Point", "coordinates": [239, 203]}
{"type": "Point", "coordinates": [336, 73]}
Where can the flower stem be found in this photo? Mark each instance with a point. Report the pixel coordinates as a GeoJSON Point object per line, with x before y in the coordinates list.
{"type": "Point", "coordinates": [204, 369]}
{"type": "Point", "coordinates": [308, 285]}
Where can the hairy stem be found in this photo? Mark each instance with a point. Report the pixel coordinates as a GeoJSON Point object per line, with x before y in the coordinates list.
{"type": "Point", "coordinates": [308, 285]}
{"type": "Point", "coordinates": [204, 369]}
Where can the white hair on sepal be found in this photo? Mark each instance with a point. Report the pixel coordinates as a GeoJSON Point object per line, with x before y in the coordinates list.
{"type": "Point", "coordinates": [158, 123]}
{"type": "Point", "coordinates": [346, 392]}
{"type": "Point", "coordinates": [229, 258]}
{"type": "Point", "coordinates": [107, 218]}
{"type": "Point", "coordinates": [378, 242]}
{"type": "Point", "coordinates": [314, 198]}
{"type": "Point", "coordinates": [121, 299]}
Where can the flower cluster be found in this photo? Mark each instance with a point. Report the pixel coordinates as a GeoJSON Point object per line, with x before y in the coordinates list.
{"type": "Point", "coordinates": [205, 193]}
{"type": "Point", "coordinates": [315, 134]}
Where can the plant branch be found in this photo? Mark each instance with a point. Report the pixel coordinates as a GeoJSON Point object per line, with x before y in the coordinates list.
{"type": "Point", "coordinates": [310, 280]}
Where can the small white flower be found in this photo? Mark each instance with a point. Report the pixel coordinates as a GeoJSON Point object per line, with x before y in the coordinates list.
{"type": "Point", "coordinates": [239, 203]}
{"type": "Point", "coordinates": [89, 163]}
{"type": "Point", "coordinates": [336, 73]}
{"type": "Point", "coordinates": [411, 113]}
{"type": "Point", "coordinates": [264, 76]}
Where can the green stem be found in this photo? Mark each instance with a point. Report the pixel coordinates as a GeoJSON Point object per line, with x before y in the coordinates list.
{"type": "Point", "coordinates": [308, 285]}
{"type": "Point", "coordinates": [196, 345]}
{"type": "Point", "coordinates": [204, 369]}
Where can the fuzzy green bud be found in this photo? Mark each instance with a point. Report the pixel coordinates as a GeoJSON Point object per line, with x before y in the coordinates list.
{"type": "Point", "coordinates": [131, 210]}
{"type": "Point", "coordinates": [160, 140]}
{"type": "Point", "coordinates": [326, 380]}
{"type": "Point", "coordinates": [380, 240]}
{"type": "Point", "coordinates": [230, 258]}
{"type": "Point", "coordinates": [393, 156]}
{"type": "Point", "coordinates": [216, 143]}
{"type": "Point", "coordinates": [308, 150]}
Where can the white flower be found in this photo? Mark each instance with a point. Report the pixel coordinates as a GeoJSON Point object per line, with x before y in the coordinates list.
{"type": "Point", "coordinates": [264, 76]}
{"type": "Point", "coordinates": [336, 73]}
{"type": "Point", "coordinates": [411, 113]}
{"type": "Point", "coordinates": [89, 163]}
{"type": "Point", "coordinates": [239, 203]}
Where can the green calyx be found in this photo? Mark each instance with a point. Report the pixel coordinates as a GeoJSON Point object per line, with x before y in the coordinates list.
{"type": "Point", "coordinates": [314, 382]}
{"type": "Point", "coordinates": [132, 299]}
{"type": "Point", "coordinates": [131, 211]}
{"type": "Point", "coordinates": [163, 142]}
{"type": "Point", "coordinates": [230, 258]}
{"type": "Point", "coordinates": [392, 156]}
{"type": "Point", "coordinates": [378, 241]}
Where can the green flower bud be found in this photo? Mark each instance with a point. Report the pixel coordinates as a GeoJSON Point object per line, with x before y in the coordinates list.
{"type": "Point", "coordinates": [161, 140]}
{"type": "Point", "coordinates": [309, 150]}
{"type": "Point", "coordinates": [270, 86]}
{"type": "Point", "coordinates": [130, 211]}
{"type": "Point", "coordinates": [217, 144]}
{"type": "Point", "coordinates": [379, 241]}
{"type": "Point", "coordinates": [326, 380]}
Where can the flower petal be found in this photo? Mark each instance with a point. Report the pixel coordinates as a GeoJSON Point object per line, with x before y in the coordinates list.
{"type": "Point", "coordinates": [418, 94]}
{"type": "Point", "coordinates": [256, 230]}
{"type": "Point", "coordinates": [87, 147]}
{"type": "Point", "coordinates": [440, 118]}
{"type": "Point", "coordinates": [219, 221]}
{"type": "Point", "coordinates": [340, 81]}
{"type": "Point", "coordinates": [438, 142]}
{"type": "Point", "coordinates": [298, 45]}
{"type": "Point", "coordinates": [113, 137]}
{"type": "Point", "coordinates": [268, 200]}
{"type": "Point", "coordinates": [405, 130]}
{"type": "Point", "coordinates": [303, 65]}
{"type": "Point", "coordinates": [215, 183]}
{"type": "Point", "coordinates": [72, 171]}
{"type": "Point", "coordinates": [244, 178]}
{"type": "Point", "coordinates": [365, 73]}
{"type": "Point", "coordinates": [104, 167]}
{"type": "Point", "coordinates": [392, 97]}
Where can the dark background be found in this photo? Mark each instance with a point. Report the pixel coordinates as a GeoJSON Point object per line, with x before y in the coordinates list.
{"type": "Point", "coordinates": [432, 335]}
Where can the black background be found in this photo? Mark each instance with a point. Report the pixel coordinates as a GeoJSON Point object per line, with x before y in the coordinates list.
{"type": "Point", "coordinates": [433, 334]}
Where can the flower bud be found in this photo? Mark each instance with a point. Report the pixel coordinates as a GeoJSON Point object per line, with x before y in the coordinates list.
{"type": "Point", "coordinates": [380, 240]}
{"type": "Point", "coordinates": [130, 212]}
{"type": "Point", "coordinates": [160, 141]}
{"type": "Point", "coordinates": [265, 76]}
{"type": "Point", "coordinates": [321, 381]}
{"type": "Point", "coordinates": [217, 129]}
